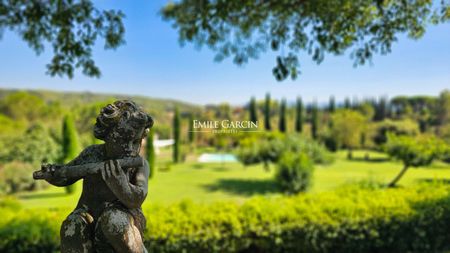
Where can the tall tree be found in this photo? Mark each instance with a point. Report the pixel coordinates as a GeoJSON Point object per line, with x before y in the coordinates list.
{"type": "Point", "coordinates": [299, 115]}
{"type": "Point", "coordinates": [70, 145]}
{"type": "Point", "coordinates": [151, 156]}
{"type": "Point", "coordinates": [282, 121]}
{"type": "Point", "coordinates": [176, 136]}
{"type": "Point", "coordinates": [253, 110]}
{"type": "Point", "coordinates": [348, 126]}
{"type": "Point", "coordinates": [245, 29]}
{"type": "Point", "coordinates": [443, 108]}
{"type": "Point", "coordinates": [224, 111]}
{"type": "Point", "coordinates": [314, 121]}
{"type": "Point", "coordinates": [267, 125]}
{"type": "Point", "coordinates": [381, 109]}
{"type": "Point", "coordinates": [332, 105]}
{"type": "Point", "coordinates": [191, 133]}
{"type": "Point", "coordinates": [70, 28]}
{"type": "Point", "coordinates": [347, 103]}
{"type": "Point", "coordinates": [413, 152]}
{"type": "Point", "coordinates": [355, 103]}
{"type": "Point", "coordinates": [443, 115]}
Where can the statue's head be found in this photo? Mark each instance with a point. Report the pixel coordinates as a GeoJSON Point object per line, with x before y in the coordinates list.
{"type": "Point", "coordinates": [122, 125]}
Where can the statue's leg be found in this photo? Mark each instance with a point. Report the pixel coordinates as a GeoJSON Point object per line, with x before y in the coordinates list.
{"type": "Point", "coordinates": [117, 228]}
{"type": "Point", "coordinates": [77, 233]}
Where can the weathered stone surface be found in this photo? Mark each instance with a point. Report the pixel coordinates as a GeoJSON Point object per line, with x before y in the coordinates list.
{"type": "Point", "coordinates": [108, 217]}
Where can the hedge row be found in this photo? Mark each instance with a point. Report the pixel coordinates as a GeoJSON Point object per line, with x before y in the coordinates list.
{"type": "Point", "coordinates": [351, 219]}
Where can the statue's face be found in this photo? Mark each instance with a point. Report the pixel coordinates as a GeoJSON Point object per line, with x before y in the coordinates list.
{"type": "Point", "coordinates": [124, 141]}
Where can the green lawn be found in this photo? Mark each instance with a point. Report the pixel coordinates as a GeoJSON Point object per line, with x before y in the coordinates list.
{"type": "Point", "coordinates": [215, 182]}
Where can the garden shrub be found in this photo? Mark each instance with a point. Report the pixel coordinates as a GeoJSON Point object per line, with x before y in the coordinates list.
{"type": "Point", "coordinates": [35, 146]}
{"type": "Point", "coordinates": [30, 232]}
{"type": "Point", "coordinates": [347, 220]}
{"type": "Point", "coordinates": [351, 219]}
{"type": "Point", "coordinates": [16, 177]}
{"type": "Point", "coordinates": [270, 147]}
{"type": "Point", "coordinates": [399, 127]}
{"type": "Point", "coordinates": [294, 172]}
{"type": "Point", "coordinates": [317, 152]}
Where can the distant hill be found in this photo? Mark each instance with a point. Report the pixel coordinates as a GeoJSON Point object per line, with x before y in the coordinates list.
{"type": "Point", "coordinates": [161, 109]}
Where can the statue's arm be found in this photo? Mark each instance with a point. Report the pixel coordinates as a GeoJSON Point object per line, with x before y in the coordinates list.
{"type": "Point", "coordinates": [58, 180]}
{"type": "Point", "coordinates": [131, 194]}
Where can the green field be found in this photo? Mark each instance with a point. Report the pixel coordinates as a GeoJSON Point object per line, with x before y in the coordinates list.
{"type": "Point", "coordinates": [232, 181]}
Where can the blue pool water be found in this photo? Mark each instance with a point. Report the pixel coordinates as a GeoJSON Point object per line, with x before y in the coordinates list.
{"type": "Point", "coordinates": [217, 158]}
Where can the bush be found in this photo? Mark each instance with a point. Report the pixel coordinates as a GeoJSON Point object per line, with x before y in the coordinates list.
{"type": "Point", "coordinates": [414, 152]}
{"type": "Point", "coordinates": [347, 128]}
{"type": "Point", "coordinates": [315, 151]}
{"type": "Point", "coordinates": [257, 149]}
{"type": "Point", "coordinates": [16, 177]}
{"type": "Point", "coordinates": [34, 146]}
{"type": "Point", "coordinates": [294, 172]}
{"type": "Point", "coordinates": [30, 233]}
{"type": "Point", "coordinates": [403, 127]}
{"type": "Point", "coordinates": [270, 148]}
{"type": "Point", "coordinates": [350, 219]}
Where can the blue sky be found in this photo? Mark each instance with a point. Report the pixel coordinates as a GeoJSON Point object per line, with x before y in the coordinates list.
{"type": "Point", "coordinates": [152, 63]}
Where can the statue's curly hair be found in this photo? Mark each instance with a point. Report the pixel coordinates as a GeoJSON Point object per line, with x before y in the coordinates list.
{"type": "Point", "coordinates": [117, 113]}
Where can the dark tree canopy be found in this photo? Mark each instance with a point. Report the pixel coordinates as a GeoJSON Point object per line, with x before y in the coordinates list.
{"type": "Point", "coordinates": [246, 28]}
{"type": "Point", "coordinates": [69, 27]}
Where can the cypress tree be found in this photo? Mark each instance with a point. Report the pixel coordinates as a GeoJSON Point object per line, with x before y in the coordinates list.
{"type": "Point", "coordinates": [355, 103]}
{"type": "Point", "coordinates": [381, 109]}
{"type": "Point", "coordinates": [70, 145]}
{"type": "Point", "coordinates": [151, 153]}
{"type": "Point", "coordinates": [267, 125]}
{"type": "Point", "coordinates": [347, 103]}
{"type": "Point", "coordinates": [299, 116]}
{"type": "Point", "coordinates": [191, 133]}
{"type": "Point", "coordinates": [332, 105]}
{"type": "Point", "coordinates": [389, 112]}
{"type": "Point", "coordinates": [282, 122]}
{"type": "Point", "coordinates": [314, 121]}
{"type": "Point", "coordinates": [176, 136]}
{"type": "Point", "coordinates": [253, 112]}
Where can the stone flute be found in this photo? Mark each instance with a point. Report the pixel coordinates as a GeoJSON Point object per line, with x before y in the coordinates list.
{"type": "Point", "coordinates": [49, 171]}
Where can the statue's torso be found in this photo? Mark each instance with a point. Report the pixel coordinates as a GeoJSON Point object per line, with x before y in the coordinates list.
{"type": "Point", "coordinates": [96, 195]}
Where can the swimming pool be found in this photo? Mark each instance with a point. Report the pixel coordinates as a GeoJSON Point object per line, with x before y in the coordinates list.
{"type": "Point", "coordinates": [217, 158]}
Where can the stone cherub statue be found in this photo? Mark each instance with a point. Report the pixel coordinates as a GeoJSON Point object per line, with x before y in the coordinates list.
{"type": "Point", "coordinates": [108, 217]}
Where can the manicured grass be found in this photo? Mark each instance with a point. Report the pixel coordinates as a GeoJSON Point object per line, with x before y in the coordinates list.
{"type": "Point", "coordinates": [232, 181]}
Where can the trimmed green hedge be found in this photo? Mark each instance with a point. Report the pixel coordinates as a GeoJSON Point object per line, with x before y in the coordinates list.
{"type": "Point", "coordinates": [350, 219]}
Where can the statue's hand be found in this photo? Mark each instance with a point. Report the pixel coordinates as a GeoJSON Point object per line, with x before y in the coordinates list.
{"type": "Point", "coordinates": [48, 168]}
{"type": "Point", "coordinates": [113, 175]}
{"type": "Point", "coordinates": [47, 172]}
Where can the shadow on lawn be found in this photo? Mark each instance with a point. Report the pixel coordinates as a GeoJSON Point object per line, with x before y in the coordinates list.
{"type": "Point", "coordinates": [220, 168]}
{"type": "Point", "coordinates": [198, 166]}
{"type": "Point", "coordinates": [214, 167]}
{"type": "Point", "coordinates": [370, 160]}
{"type": "Point", "coordinates": [434, 180]}
{"type": "Point", "coordinates": [243, 186]}
{"type": "Point", "coordinates": [44, 195]}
